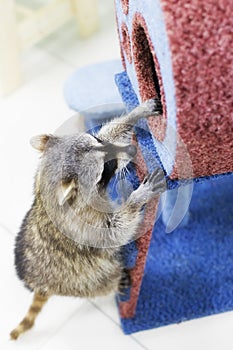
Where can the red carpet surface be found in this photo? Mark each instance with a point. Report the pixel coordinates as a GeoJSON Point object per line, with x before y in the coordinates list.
{"type": "Point", "coordinates": [182, 51]}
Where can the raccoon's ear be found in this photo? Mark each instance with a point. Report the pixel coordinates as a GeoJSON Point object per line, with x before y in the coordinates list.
{"type": "Point", "coordinates": [65, 191]}
{"type": "Point", "coordinates": [39, 142]}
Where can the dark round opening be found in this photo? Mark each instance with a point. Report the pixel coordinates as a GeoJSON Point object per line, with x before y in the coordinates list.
{"type": "Point", "coordinates": [146, 67]}
{"type": "Point", "coordinates": [144, 64]}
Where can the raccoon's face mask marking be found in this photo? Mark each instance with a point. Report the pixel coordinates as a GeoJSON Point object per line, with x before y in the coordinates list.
{"type": "Point", "coordinates": [110, 167]}
{"type": "Point", "coordinates": [114, 154]}
{"type": "Point", "coordinates": [79, 164]}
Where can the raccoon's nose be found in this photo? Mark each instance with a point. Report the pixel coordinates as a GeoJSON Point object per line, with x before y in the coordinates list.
{"type": "Point", "coordinates": [131, 150]}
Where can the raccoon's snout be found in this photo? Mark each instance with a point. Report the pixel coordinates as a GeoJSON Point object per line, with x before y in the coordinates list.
{"type": "Point", "coordinates": [131, 150]}
{"type": "Point", "coordinates": [113, 150]}
{"type": "Point", "coordinates": [111, 161]}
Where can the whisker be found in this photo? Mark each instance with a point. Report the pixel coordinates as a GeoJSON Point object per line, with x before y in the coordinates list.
{"type": "Point", "coordinates": [123, 173]}
{"type": "Point", "coordinates": [115, 180]}
{"type": "Point", "coordinates": [127, 171]}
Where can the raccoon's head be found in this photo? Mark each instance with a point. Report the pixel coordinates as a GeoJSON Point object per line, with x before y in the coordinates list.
{"type": "Point", "coordinates": [79, 163]}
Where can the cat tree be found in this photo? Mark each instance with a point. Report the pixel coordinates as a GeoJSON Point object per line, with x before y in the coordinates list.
{"type": "Point", "coordinates": [180, 52]}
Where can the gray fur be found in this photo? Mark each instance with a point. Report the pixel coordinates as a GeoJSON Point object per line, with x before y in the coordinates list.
{"type": "Point", "coordinates": [70, 239]}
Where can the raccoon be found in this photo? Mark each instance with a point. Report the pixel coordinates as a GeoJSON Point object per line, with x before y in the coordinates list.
{"type": "Point", "coordinates": [70, 239]}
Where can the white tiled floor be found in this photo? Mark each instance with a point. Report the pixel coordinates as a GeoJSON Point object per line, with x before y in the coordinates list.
{"type": "Point", "coordinates": [37, 107]}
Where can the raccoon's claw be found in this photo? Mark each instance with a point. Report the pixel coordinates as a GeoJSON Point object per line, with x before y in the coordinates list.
{"type": "Point", "coordinates": [156, 181]}
{"type": "Point", "coordinates": [125, 281]}
{"type": "Point", "coordinates": [153, 106]}
{"type": "Point", "coordinates": [151, 186]}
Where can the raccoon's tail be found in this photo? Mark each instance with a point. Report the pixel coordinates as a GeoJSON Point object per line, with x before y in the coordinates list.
{"type": "Point", "coordinates": [28, 321]}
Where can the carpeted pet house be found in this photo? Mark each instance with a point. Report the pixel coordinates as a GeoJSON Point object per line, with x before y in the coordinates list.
{"type": "Point", "coordinates": [182, 53]}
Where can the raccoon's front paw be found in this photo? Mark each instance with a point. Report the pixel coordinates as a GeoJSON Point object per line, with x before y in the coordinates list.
{"type": "Point", "coordinates": [152, 107]}
{"type": "Point", "coordinates": [155, 182]}
{"type": "Point", "coordinates": [152, 185]}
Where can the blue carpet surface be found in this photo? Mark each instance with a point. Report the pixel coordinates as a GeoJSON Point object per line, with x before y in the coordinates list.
{"type": "Point", "coordinates": [189, 273]}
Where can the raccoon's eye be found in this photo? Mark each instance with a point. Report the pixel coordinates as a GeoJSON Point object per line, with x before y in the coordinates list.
{"type": "Point", "coordinates": [97, 139]}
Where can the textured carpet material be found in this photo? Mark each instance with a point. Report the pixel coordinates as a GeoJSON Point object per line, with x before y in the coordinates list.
{"type": "Point", "coordinates": [166, 296]}
{"type": "Point", "coordinates": [183, 53]}
{"type": "Point", "coordinates": [128, 303]}
{"type": "Point", "coordinates": [139, 307]}
{"type": "Point", "coordinates": [152, 150]}
{"type": "Point", "coordinates": [189, 273]}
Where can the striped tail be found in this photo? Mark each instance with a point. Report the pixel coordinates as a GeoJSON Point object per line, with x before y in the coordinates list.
{"type": "Point", "coordinates": [29, 319]}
